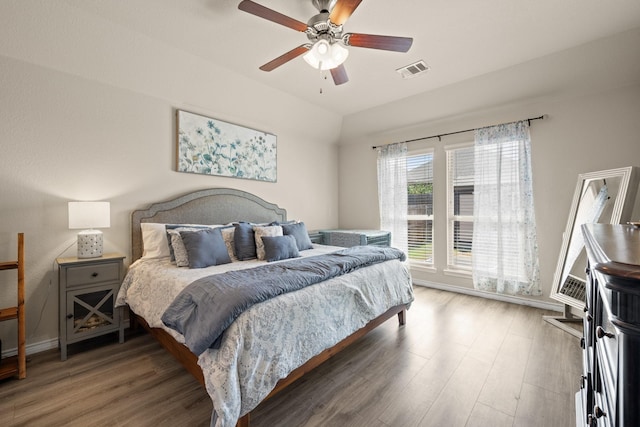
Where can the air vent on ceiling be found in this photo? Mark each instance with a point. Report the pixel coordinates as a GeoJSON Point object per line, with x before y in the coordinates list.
{"type": "Point", "coordinates": [413, 70]}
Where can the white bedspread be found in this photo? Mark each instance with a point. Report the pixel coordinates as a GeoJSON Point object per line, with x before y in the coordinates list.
{"type": "Point", "coordinates": [271, 339]}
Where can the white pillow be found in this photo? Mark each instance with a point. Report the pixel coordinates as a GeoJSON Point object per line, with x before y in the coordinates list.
{"type": "Point", "coordinates": [155, 243]}
{"type": "Point", "coordinates": [154, 240]}
{"type": "Point", "coordinates": [271, 230]}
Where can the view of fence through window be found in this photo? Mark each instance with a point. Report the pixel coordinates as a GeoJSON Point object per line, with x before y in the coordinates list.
{"type": "Point", "coordinates": [420, 207]}
{"type": "Point", "coordinates": [460, 180]}
{"type": "Point", "coordinates": [460, 169]}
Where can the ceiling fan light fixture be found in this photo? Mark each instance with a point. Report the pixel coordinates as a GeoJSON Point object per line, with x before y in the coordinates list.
{"type": "Point", "coordinates": [326, 56]}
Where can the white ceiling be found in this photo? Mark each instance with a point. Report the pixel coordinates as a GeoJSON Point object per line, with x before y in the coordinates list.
{"type": "Point", "coordinates": [458, 39]}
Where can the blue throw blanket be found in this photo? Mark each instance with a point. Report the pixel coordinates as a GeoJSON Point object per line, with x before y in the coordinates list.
{"type": "Point", "coordinates": [206, 307]}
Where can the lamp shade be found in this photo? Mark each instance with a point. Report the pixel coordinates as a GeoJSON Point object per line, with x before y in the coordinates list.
{"type": "Point", "coordinates": [87, 215]}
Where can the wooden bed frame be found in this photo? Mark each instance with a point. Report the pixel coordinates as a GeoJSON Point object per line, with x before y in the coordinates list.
{"type": "Point", "coordinates": [221, 206]}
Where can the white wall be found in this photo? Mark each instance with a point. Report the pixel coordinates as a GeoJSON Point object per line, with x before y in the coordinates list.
{"type": "Point", "coordinates": [592, 123]}
{"type": "Point", "coordinates": [88, 113]}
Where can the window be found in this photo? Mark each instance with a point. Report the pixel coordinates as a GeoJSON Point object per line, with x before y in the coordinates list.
{"type": "Point", "coordinates": [420, 207]}
{"type": "Point", "coordinates": [460, 177]}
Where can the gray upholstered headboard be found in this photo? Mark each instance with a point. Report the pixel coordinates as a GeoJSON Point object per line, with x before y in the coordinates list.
{"type": "Point", "coordinates": [212, 206]}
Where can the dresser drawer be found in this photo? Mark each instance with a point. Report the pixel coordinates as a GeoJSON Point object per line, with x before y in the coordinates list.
{"type": "Point", "coordinates": [601, 415]}
{"type": "Point", "coordinates": [96, 273]}
{"type": "Point", "coordinates": [606, 394]}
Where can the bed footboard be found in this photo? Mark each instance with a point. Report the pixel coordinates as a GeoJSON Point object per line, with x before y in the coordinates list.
{"type": "Point", "coordinates": [190, 361]}
{"type": "Point", "coordinates": [400, 311]}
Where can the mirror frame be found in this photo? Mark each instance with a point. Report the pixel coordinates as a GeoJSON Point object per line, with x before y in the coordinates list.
{"type": "Point", "coordinates": [622, 210]}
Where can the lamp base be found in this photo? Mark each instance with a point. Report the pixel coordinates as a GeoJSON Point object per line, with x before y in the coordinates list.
{"type": "Point", "coordinates": [90, 244]}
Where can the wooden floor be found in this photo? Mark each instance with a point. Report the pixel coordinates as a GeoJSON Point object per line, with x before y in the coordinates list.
{"type": "Point", "coordinates": [459, 361]}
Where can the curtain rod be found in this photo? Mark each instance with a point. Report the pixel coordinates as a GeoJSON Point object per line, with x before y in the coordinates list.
{"type": "Point", "coordinates": [452, 133]}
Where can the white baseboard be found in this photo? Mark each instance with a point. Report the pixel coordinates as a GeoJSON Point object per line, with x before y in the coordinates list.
{"type": "Point", "coordinates": [490, 295]}
{"type": "Point", "coordinates": [34, 348]}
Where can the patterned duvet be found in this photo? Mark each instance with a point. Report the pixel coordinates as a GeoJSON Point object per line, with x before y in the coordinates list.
{"type": "Point", "coordinates": [281, 333]}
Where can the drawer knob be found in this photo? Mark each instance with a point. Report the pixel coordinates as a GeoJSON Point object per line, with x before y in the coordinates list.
{"type": "Point", "coordinates": [94, 274]}
{"type": "Point", "coordinates": [69, 316]}
{"type": "Point", "coordinates": [589, 317]}
{"type": "Point", "coordinates": [598, 412]}
{"type": "Point", "coordinates": [601, 333]}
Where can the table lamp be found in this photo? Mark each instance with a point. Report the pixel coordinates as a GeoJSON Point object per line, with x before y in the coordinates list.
{"type": "Point", "coordinates": [88, 216]}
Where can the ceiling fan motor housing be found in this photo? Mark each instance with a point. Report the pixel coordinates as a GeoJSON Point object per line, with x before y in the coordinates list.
{"type": "Point", "coordinates": [320, 27]}
{"type": "Point", "coordinates": [324, 5]}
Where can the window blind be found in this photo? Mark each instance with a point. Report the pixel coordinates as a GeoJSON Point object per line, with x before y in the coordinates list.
{"type": "Point", "coordinates": [420, 207]}
{"type": "Point", "coordinates": [460, 191]}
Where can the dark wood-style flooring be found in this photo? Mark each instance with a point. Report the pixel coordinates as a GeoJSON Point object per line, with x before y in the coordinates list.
{"type": "Point", "coordinates": [459, 361]}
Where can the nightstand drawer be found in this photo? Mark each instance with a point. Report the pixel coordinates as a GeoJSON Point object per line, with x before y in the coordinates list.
{"type": "Point", "coordinates": [96, 273]}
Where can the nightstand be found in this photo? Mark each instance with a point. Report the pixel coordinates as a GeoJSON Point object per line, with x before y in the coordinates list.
{"type": "Point", "coordinates": [88, 289]}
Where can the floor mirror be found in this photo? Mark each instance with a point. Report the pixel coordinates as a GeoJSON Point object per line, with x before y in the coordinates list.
{"type": "Point", "coordinates": [604, 197]}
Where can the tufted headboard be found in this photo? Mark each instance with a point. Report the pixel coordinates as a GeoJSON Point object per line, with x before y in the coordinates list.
{"type": "Point", "coordinates": [211, 206]}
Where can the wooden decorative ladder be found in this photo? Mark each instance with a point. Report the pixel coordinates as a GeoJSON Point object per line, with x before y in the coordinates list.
{"type": "Point", "coordinates": [16, 365]}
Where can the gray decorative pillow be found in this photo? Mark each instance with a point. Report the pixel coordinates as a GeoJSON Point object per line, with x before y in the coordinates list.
{"type": "Point", "coordinates": [178, 251]}
{"type": "Point", "coordinates": [205, 248]}
{"type": "Point", "coordinates": [244, 241]}
{"type": "Point", "coordinates": [277, 248]}
{"type": "Point", "coordinates": [227, 236]}
{"type": "Point", "coordinates": [299, 232]}
{"type": "Point", "coordinates": [261, 231]}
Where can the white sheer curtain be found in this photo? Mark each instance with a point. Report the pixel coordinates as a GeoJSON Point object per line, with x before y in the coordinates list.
{"type": "Point", "coordinates": [392, 193]}
{"type": "Point", "coordinates": [505, 249]}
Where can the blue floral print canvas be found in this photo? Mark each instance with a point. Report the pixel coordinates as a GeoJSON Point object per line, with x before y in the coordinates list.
{"type": "Point", "coordinates": [213, 147]}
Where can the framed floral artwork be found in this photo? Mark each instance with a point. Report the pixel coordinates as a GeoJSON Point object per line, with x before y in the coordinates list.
{"type": "Point", "coordinates": [213, 147]}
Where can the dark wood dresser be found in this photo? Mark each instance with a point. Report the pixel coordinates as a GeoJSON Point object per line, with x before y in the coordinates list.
{"type": "Point", "coordinates": [610, 390]}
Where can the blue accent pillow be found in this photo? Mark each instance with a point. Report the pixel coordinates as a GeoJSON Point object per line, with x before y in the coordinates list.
{"type": "Point", "coordinates": [279, 247]}
{"type": "Point", "coordinates": [205, 248]}
{"type": "Point", "coordinates": [244, 241]}
{"type": "Point", "coordinates": [299, 232]}
{"type": "Point", "coordinates": [179, 227]}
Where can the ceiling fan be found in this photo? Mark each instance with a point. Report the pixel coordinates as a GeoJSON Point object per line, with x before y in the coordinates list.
{"type": "Point", "coordinates": [326, 50]}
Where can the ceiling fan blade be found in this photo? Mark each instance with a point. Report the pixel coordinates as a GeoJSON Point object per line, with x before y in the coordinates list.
{"type": "Point", "coordinates": [343, 10]}
{"type": "Point", "coordinates": [271, 15]}
{"type": "Point", "coordinates": [397, 44]}
{"type": "Point", "coordinates": [282, 59]}
{"type": "Point", "coordinates": [339, 75]}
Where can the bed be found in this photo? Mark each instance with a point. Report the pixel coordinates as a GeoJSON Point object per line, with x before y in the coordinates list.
{"type": "Point", "coordinates": [272, 343]}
